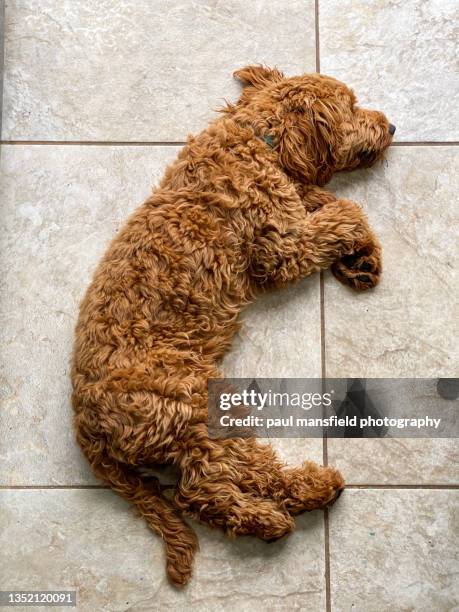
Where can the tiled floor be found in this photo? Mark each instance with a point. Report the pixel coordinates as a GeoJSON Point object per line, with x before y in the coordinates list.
{"type": "Point", "coordinates": [135, 77]}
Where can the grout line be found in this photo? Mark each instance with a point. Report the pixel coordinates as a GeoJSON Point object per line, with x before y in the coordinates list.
{"type": "Point", "coordinates": [451, 487]}
{"type": "Point", "coordinates": [2, 58]}
{"type": "Point", "coordinates": [323, 368]}
{"type": "Point", "coordinates": [181, 143]}
{"type": "Point", "coordinates": [97, 143]}
{"type": "Point", "coordinates": [57, 487]}
{"type": "Point", "coordinates": [316, 16]}
{"type": "Point", "coordinates": [327, 561]}
{"type": "Point", "coordinates": [426, 143]}
{"type": "Point", "coordinates": [446, 487]}
{"type": "Point", "coordinates": [323, 356]}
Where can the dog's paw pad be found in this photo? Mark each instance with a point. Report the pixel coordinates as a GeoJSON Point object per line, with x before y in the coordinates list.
{"type": "Point", "coordinates": [349, 260]}
{"type": "Point", "coordinates": [360, 270]}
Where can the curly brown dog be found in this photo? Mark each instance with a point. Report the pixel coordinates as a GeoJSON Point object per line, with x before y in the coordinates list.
{"type": "Point", "coordinates": [241, 210]}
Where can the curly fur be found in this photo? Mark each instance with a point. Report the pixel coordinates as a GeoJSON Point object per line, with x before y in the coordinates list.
{"type": "Point", "coordinates": [231, 218]}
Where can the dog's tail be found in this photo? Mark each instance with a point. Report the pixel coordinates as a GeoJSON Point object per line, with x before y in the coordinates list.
{"type": "Point", "coordinates": [162, 517]}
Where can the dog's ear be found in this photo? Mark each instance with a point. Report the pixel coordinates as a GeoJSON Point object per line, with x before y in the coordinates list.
{"type": "Point", "coordinates": [326, 130]}
{"type": "Point", "coordinates": [258, 76]}
{"type": "Point", "coordinates": [297, 146]}
{"type": "Point", "coordinates": [308, 142]}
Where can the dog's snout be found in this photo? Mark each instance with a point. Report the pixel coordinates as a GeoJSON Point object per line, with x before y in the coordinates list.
{"type": "Point", "coordinates": [392, 129]}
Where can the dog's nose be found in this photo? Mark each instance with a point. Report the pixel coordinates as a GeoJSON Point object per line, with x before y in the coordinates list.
{"type": "Point", "coordinates": [391, 129]}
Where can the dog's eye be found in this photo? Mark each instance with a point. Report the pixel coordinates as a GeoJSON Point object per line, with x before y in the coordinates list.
{"type": "Point", "coordinates": [365, 155]}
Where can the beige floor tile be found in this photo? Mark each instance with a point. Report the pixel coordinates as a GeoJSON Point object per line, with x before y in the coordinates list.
{"type": "Point", "coordinates": [280, 337]}
{"type": "Point", "coordinates": [60, 207]}
{"type": "Point", "coordinates": [294, 451]}
{"type": "Point", "coordinates": [91, 541]}
{"type": "Point", "coordinates": [139, 69]}
{"type": "Point", "coordinates": [396, 461]}
{"type": "Point", "coordinates": [407, 326]}
{"type": "Point", "coordinates": [394, 550]}
{"type": "Point", "coordinates": [400, 57]}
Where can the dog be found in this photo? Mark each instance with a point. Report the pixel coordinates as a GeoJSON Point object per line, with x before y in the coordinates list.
{"type": "Point", "coordinates": [241, 211]}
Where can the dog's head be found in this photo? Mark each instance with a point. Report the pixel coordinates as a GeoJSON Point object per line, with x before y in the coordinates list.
{"type": "Point", "coordinates": [313, 122]}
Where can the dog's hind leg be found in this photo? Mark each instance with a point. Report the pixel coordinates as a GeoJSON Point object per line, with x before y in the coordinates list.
{"type": "Point", "coordinates": [209, 491]}
{"type": "Point", "coordinates": [296, 490]}
{"type": "Point", "coordinates": [118, 430]}
{"type": "Point", "coordinates": [179, 539]}
{"type": "Point", "coordinates": [308, 487]}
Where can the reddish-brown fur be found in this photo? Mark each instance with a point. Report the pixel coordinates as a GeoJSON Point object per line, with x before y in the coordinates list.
{"type": "Point", "coordinates": [231, 218]}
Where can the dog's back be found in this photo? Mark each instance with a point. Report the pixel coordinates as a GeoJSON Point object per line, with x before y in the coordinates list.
{"type": "Point", "coordinates": [161, 310]}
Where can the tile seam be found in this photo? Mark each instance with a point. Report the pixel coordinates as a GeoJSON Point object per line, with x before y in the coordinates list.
{"type": "Point", "coordinates": [323, 355]}
{"type": "Point", "coordinates": [327, 576]}
{"type": "Point", "coordinates": [53, 487]}
{"type": "Point", "coordinates": [426, 143]}
{"type": "Point", "coordinates": [446, 487]}
{"type": "Point", "coordinates": [97, 143]}
{"type": "Point", "coordinates": [181, 143]}
{"type": "Point", "coordinates": [327, 560]}
{"type": "Point", "coordinates": [2, 60]}
{"type": "Point", "coordinates": [451, 486]}
{"type": "Point", "coordinates": [317, 34]}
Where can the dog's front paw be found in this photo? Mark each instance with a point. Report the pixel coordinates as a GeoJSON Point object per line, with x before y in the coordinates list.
{"type": "Point", "coordinates": [361, 269]}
